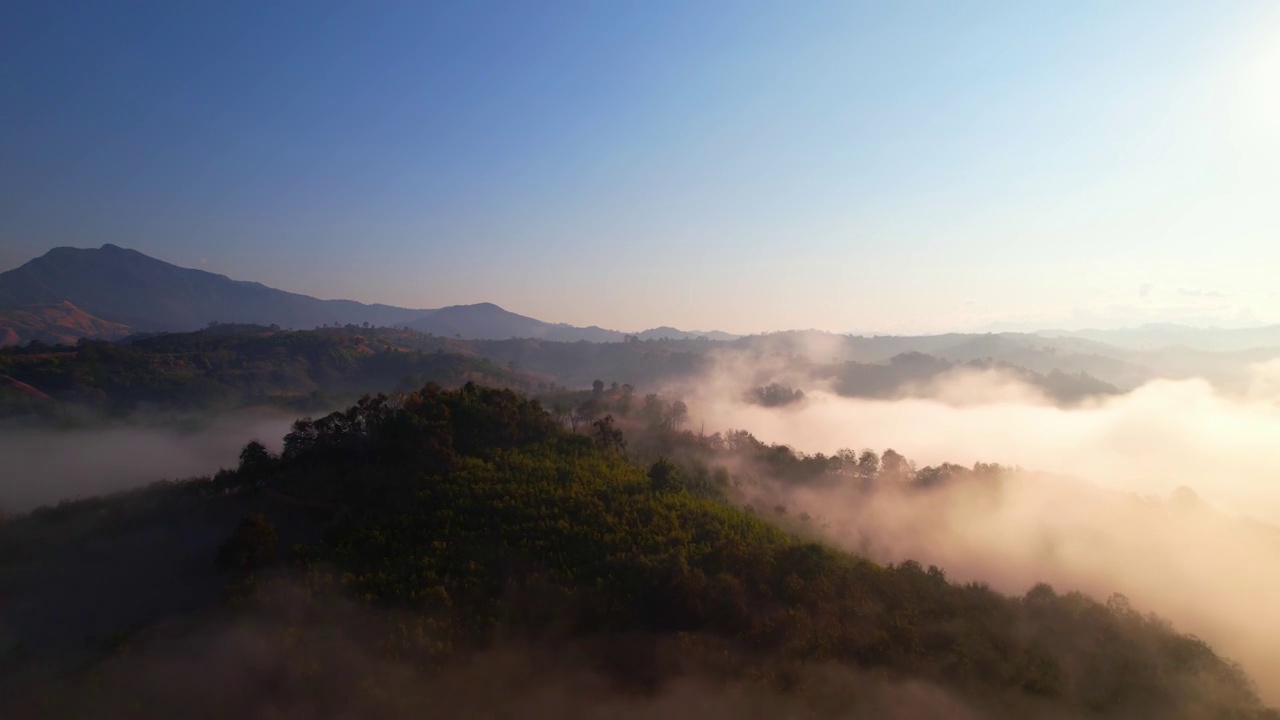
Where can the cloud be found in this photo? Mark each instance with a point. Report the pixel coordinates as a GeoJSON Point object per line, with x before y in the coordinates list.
{"type": "Point", "coordinates": [1197, 292]}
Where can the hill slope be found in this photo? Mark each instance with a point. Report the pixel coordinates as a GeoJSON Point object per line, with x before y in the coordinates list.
{"type": "Point", "coordinates": [55, 323]}
{"type": "Point", "coordinates": [227, 367]}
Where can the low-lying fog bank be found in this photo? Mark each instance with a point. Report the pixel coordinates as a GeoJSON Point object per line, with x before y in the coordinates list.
{"type": "Point", "coordinates": [1083, 516]}
{"type": "Point", "coordinates": [1165, 434]}
{"type": "Point", "coordinates": [39, 467]}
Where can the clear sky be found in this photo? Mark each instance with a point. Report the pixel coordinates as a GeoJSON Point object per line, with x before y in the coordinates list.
{"type": "Point", "coordinates": [888, 166]}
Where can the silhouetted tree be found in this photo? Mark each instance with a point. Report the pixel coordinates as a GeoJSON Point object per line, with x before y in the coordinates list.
{"type": "Point", "coordinates": [609, 436]}
{"type": "Point", "coordinates": [679, 413]}
{"type": "Point", "coordinates": [894, 467]}
{"type": "Point", "coordinates": [256, 461]}
{"type": "Point", "coordinates": [665, 476]}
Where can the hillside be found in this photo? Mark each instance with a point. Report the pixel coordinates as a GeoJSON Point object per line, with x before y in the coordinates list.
{"type": "Point", "coordinates": [226, 367]}
{"type": "Point", "coordinates": [462, 523]}
{"type": "Point", "coordinates": [53, 324]}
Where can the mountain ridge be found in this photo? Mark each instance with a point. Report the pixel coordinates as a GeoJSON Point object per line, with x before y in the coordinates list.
{"type": "Point", "coordinates": [118, 286]}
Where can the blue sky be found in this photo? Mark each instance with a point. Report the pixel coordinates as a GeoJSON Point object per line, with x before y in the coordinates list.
{"type": "Point", "coordinates": [894, 166]}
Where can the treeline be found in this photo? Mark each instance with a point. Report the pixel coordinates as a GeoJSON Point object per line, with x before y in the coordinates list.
{"type": "Point", "coordinates": [229, 366]}
{"type": "Point", "coordinates": [226, 367]}
{"type": "Point", "coordinates": [910, 371]}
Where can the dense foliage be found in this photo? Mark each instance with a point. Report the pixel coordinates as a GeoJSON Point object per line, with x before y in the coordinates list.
{"type": "Point", "coordinates": [914, 370]}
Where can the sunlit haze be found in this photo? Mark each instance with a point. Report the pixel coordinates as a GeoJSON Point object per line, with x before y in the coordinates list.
{"type": "Point", "coordinates": [891, 167]}
{"type": "Point", "coordinates": [653, 359]}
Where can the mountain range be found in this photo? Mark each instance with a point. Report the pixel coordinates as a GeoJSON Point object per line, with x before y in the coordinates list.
{"type": "Point", "coordinates": [111, 292]}
{"type": "Point", "coordinates": [1167, 335]}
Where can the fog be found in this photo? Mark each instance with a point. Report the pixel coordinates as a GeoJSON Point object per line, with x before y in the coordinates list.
{"type": "Point", "coordinates": [1092, 509]}
{"type": "Point", "coordinates": [45, 466]}
{"type": "Point", "coordinates": [294, 655]}
{"type": "Point", "coordinates": [1165, 434]}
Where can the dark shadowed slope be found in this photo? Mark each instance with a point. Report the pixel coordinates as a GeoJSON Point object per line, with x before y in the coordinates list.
{"type": "Point", "coordinates": [127, 287]}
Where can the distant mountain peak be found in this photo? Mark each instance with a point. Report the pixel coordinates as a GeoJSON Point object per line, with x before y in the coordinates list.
{"type": "Point", "coordinates": [476, 306]}
{"type": "Point", "coordinates": [127, 287]}
{"type": "Point", "coordinates": [124, 286]}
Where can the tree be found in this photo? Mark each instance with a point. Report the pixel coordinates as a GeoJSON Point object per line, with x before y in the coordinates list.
{"type": "Point", "coordinates": [679, 413]}
{"type": "Point", "coordinates": [664, 476]}
{"type": "Point", "coordinates": [654, 411]}
{"type": "Point", "coordinates": [609, 437]}
{"type": "Point", "coordinates": [256, 461]}
{"type": "Point", "coordinates": [559, 413]}
{"type": "Point", "coordinates": [894, 467]}
{"type": "Point", "coordinates": [868, 464]}
{"type": "Point", "coordinates": [584, 413]}
{"type": "Point", "coordinates": [624, 402]}
{"type": "Point", "coordinates": [252, 546]}
{"type": "Point", "coordinates": [597, 387]}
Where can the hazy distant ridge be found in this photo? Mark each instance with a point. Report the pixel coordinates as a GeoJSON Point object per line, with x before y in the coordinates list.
{"type": "Point", "coordinates": [121, 287]}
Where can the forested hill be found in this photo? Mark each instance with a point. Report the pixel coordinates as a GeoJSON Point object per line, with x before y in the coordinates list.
{"type": "Point", "coordinates": [227, 367]}
{"type": "Point", "coordinates": [469, 521]}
